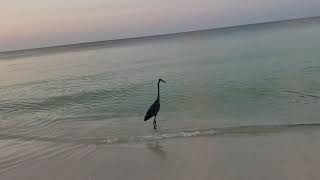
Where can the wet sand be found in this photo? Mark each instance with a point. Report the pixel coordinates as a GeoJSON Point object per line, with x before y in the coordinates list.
{"type": "Point", "coordinates": [286, 155]}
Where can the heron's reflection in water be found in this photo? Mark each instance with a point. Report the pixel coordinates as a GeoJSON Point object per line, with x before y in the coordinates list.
{"type": "Point", "coordinates": [157, 149]}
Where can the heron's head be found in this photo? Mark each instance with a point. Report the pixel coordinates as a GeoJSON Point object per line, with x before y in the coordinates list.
{"type": "Point", "coordinates": [161, 80]}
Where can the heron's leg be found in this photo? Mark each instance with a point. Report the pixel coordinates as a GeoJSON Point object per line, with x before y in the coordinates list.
{"type": "Point", "coordinates": [154, 123]}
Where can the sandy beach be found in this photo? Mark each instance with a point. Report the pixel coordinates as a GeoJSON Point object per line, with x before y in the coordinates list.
{"type": "Point", "coordinates": [285, 155]}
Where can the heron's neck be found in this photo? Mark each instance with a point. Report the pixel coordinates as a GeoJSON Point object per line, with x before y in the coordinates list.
{"type": "Point", "coordinates": [158, 97]}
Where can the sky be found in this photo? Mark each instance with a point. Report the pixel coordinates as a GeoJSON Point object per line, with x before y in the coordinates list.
{"type": "Point", "coordinates": [42, 23]}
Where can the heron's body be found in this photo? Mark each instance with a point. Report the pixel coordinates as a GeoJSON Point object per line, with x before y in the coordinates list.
{"type": "Point", "coordinates": [154, 108]}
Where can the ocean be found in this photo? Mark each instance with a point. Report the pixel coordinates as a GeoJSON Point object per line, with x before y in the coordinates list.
{"type": "Point", "coordinates": [256, 76]}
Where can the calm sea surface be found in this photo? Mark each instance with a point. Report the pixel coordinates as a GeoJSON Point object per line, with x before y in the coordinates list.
{"type": "Point", "coordinates": [252, 75]}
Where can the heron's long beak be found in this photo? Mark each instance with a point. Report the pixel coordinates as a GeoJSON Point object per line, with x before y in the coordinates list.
{"type": "Point", "coordinates": [163, 80]}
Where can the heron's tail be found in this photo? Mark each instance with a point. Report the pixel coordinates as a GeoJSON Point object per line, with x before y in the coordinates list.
{"type": "Point", "coordinates": [147, 117]}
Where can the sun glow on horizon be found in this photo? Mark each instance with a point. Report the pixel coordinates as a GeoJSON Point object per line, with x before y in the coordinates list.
{"type": "Point", "coordinates": [38, 23]}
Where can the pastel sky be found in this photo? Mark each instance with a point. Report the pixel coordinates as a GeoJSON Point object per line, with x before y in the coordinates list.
{"type": "Point", "coordinates": [38, 23]}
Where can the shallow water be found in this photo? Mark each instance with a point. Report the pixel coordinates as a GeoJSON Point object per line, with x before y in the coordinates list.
{"type": "Point", "coordinates": [247, 76]}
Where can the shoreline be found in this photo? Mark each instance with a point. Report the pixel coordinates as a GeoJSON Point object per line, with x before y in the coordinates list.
{"type": "Point", "coordinates": [287, 155]}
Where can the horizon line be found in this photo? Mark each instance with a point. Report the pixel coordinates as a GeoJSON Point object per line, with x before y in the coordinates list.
{"type": "Point", "coordinates": [182, 33]}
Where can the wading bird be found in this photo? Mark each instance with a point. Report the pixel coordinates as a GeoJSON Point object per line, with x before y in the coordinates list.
{"type": "Point", "coordinates": [154, 108]}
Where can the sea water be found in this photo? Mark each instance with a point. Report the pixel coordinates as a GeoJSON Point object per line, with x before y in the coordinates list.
{"type": "Point", "coordinates": [247, 76]}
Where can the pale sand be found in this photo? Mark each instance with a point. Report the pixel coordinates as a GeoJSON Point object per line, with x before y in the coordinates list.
{"type": "Point", "coordinates": [286, 155]}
